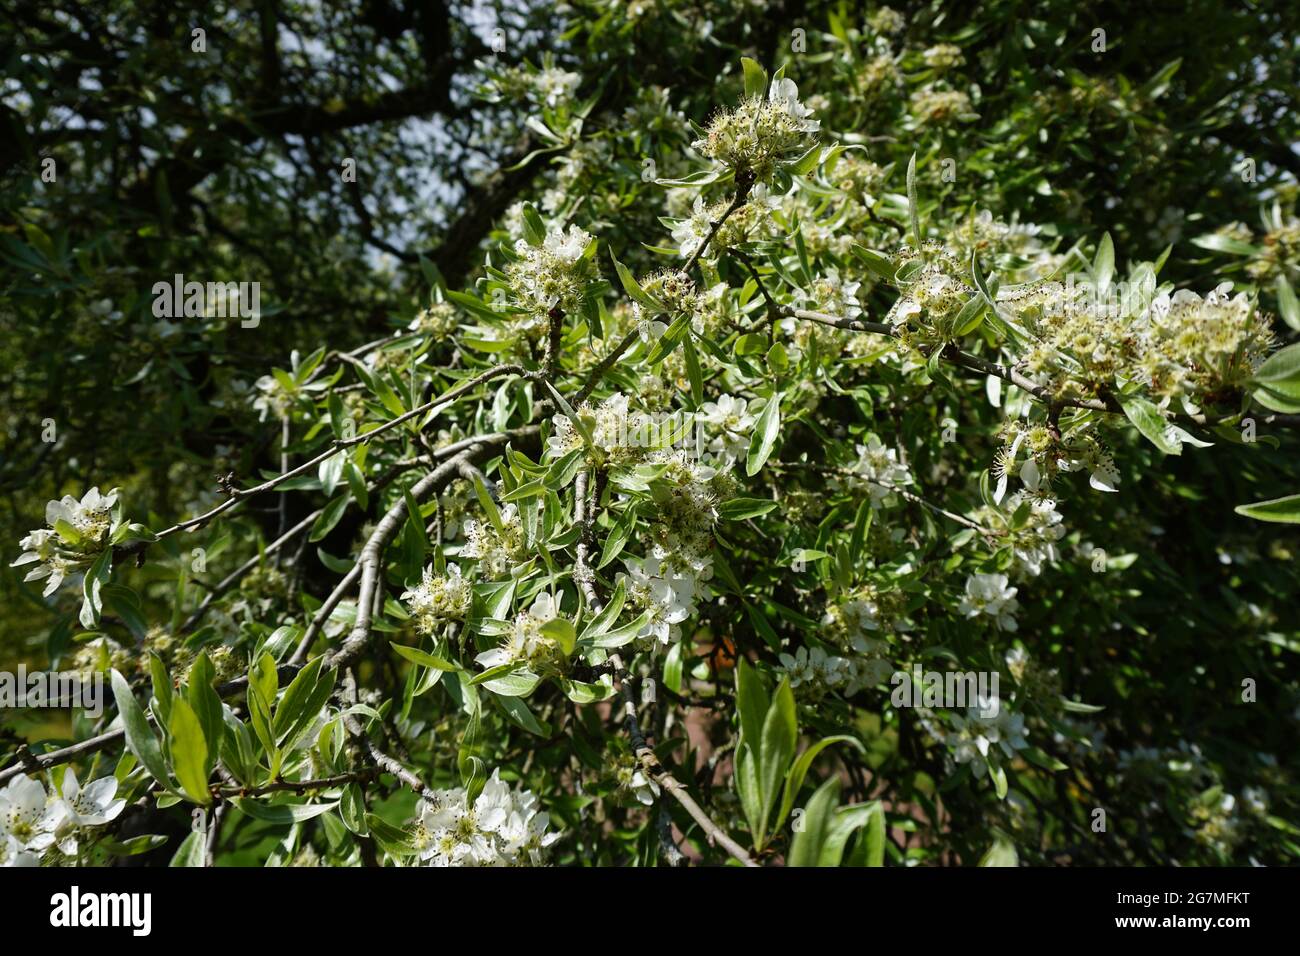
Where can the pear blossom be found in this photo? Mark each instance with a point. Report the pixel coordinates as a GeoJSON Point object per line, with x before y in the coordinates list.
{"type": "Point", "coordinates": [728, 415]}
{"type": "Point", "coordinates": [438, 598]}
{"type": "Point", "coordinates": [989, 594]}
{"type": "Point", "coordinates": [525, 642]}
{"type": "Point", "coordinates": [503, 827]}
{"type": "Point", "coordinates": [975, 736]}
{"type": "Point", "coordinates": [669, 594]}
{"type": "Point", "coordinates": [554, 274]}
{"type": "Point", "coordinates": [28, 820]}
{"type": "Point", "coordinates": [79, 808]}
{"type": "Point", "coordinates": [79, 531]}
{"type": "Point", "coordinates": [879, 468]}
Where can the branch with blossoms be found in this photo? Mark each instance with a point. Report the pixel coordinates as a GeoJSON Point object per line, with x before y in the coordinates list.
{"type": "Point", "coordinates": [696, 483]}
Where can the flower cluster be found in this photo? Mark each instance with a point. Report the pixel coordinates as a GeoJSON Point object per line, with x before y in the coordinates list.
{"type": "Point", "coordinates": [557, 273]}
{"type": "Point", "coordinates": [675, 293]}
{"type": "Point", "coordinates": [750, 223]}
{"type": "Point", "coordinates": [818, 672]}
{"type": "Point", "coordinates": [664, 589]}
{"type": "Point", "coordinates": [79, 531]}
{"type": "Point", "coordinates": [438, 321]}
{"type": "Point", "coordinates": [497, 551]}
{"type": "Point", "coordinates": [886, 20]}
{"type": "Point", "coordinates": [503, 827]}
{"type": "Point", "coordinates": [974, 737]}
{"type": "Point", "coordinates": [989, 595]}
{"type": "Point", "coordinates": [1035, 534]}
{"type": "Point", "coordinates": [760, 135]}
{"type": "Point", "coordinates": [731, 422]}
{"type": "Point", "coordinates": [1177, 346]}
{"type": "Point", "coordinates": [1046, 455]}
{"type": "Point", "coordinates": [524, 641]}
{"type": "Point", "coordinates": [934, 294]}
{"type": "Point", "coordinates": [829, 293]}
{"type": "Point", "coordinates": [943, 56]}
{"type": "Point", "coordinates": [858, 177]}
{"type": "Point", "coordinates": [273, 398]}
{"type": "Point", "coordinates": [439, 598]}
{"type": "Point", "coordinates": [878, 467]}
{"type": "Point", "coordinates": [37, 828]}
{"type": "Point", "coordinates": [935, 105]}
{"type": "Point", "coordinates": [547, 85]}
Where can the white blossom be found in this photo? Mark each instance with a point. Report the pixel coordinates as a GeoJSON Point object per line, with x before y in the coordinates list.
{"type": "Point", "coordinates": [504, 827]}
{"type": "Point", "coordinates": [989, 594]}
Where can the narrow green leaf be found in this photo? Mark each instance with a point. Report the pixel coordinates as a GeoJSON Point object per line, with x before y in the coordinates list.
{"type": "Point", "coordinates": [189, 751]}
{"type": "Point", "coordinates": [140, 739]}
{"type": "Point", "coordinates": [1281, 510]}
{"type": "Point", "coordinates": [764, 436]}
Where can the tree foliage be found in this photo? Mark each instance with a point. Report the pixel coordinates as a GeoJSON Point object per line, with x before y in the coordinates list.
{"type": "Point", "coordinates": [651, 410]}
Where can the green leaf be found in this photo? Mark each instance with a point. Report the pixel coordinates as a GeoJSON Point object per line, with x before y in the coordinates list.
{"type": "Point", "coordinates": [582, 693]}
{"type": "Point", "coordinates": [747, 786]}
{"type": "Point", "coordinates": [133, 846]}
{"type": "Point", "coordinates": [751, 703]}
{"type": "Point", "coordinates": [779, 735]}
{"type": "Point", "coordinates": [999, 777]}
{"type": "Point", "coordinates": [1001, 853]}
{"type": "Point", "coordinates": [192, 851]}
{"type": "Point", "coordinates": [1281, 510]}
{"type": "Point", "coordinates": [205, 703]}
{"type": "Point", "coordinates": [189, 751]}
{"type": "Point", "coordinates": [693, 373]}
{"type": "Point", "coordinates": [352, 810]}
{"type": "Point", "coordinates": [622, 635]}
{"type": "Point", "coordinates": [1287, 303]}
{"type": "Point", "coordinates": [1151, 424]}
{"type": "Point", "coordinates": [913, 213]}
{"type": "Point", "coordinates": [810, 839]}
{"type": "Point", "coordinates": [162, 686]}
{"type": "Point", "coordinates": [1281, 372]}
{"type": "Point", "coordinates": [489, 506]}
{"type": "Point", "coordinates": [874, 841]}
{"type": "Point", "coordinates": [799, 770]}
{"type": "Point", "coordinates": [517, 710]}
{"type": "Point", "coordinates": [608, 615]}
{"type": "Point", "coordinates": [764, 436]}
{"type": "Point", "coordinates": [561, 631]}
{"type": "Point", "coordinates": [140, 739]}
{"type": "Point", "coordinates": [91, 586]}
{"type": "Point", "coordinates": [423, 658]}
{"type": "Point", "coordinates": [673, 668]}
{"type": "Point", "coordinates": [618, 537]}
{"type": "Point", "coordinates": [329, 517]}
{"type": "Point", "coordinates": [534, 228]}
{"type": "Point", "coordinates": [473, 772]}
{"type": "Point", "coordinates": [282, 814]}
{"type": "Point", "coordinates": [508, 680]}
{"type": "Point", "coordinates": [632, 287]}
{"type": "Point", "coordinates": [755, 78]}
{"type": "Point", "coordinates": [1103, 265]}
{"type": "Point", "coordinates": [472, 304]}
{"type": "Point", "coordinates": [1217, 243]}
{"type": "Point", "coordinates": [843, 823]}
{"type": "Point", "coordinates": [263, 682]}
{"type": "Point", "coordinates": [296, 698]}
{"type": "Point", "coordinates": [738, 509]}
